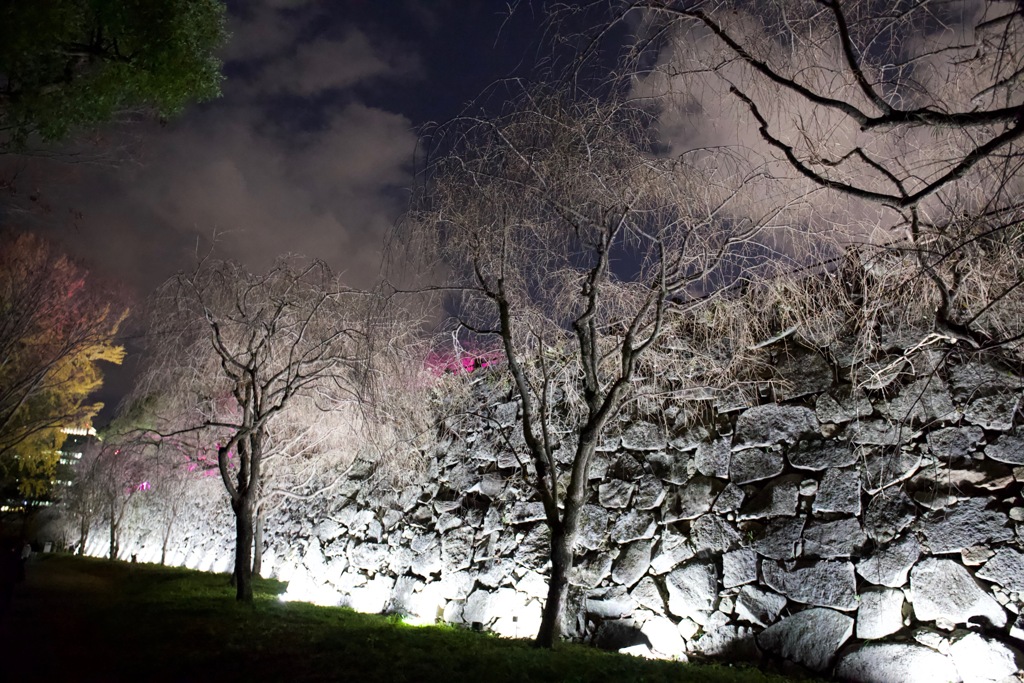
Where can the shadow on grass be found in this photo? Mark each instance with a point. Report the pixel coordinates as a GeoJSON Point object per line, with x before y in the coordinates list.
{"type": "Point", "coordinates": [95, 620]}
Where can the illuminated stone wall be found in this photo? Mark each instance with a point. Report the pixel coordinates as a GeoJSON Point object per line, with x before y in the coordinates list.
{"type": "Point", "coordinates": [872, 532]}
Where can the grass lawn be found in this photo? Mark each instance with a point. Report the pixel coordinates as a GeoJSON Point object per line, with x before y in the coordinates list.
{"type": "Point", "coordinates": [78, 619]}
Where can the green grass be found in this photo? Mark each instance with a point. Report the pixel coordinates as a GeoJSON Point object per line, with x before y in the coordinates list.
{"type": "Point", "coordinates": [104, 621]}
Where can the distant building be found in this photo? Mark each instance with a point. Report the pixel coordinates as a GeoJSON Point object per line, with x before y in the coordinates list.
{"type": "Point", "coordinates": [76, 439]}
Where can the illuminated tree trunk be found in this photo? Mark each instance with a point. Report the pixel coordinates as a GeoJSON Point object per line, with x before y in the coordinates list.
{"type": "Point", "coordinates": [83, 534]}
{"type": "Point", "coordinates": [563, 543]}
{"type": "Point", "coordinates": [243, 507]}
{"type": "Point", "coordinates": [113, 531]}
{"type": "Point", "coordinates": [244, 497]}
{"type": "Point", "coordinates": [257, 551]}
{"type": "Point", "coordinates": [553, 616]}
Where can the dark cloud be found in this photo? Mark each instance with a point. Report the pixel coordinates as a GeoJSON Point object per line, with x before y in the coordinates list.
{"type": "Point", "coordinates": [309, 151]}
{"type": "Point", "coordinates": [239, 173]}
{"type": "Point", "coordinates": [333, 64]}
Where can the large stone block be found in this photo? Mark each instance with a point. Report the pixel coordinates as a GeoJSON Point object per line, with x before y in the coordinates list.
{"type": "Point", "coordinates": [882, 468]}
{"type": "Point", "coordinates": [610, 603]}
{"type": "Point", "coordinates": [889, 512]}
{"type": "Point", "coordinates": [739, 567]}
{"type": "Point", "coordinates": [821, 455]}
{"type": "Point", "coordinates": [729, 643]}
{"type": "Point", "coordinates": [633, 526]}
{"type": "Point", "coordinates": [712, 458]}
{"type": "Point", "coordinates": [981, 660]}
{"type": "Point", "coordinates": [963, 525]}
{"type": "Point", "coordinates": [993, 412]}
{"type": "Point", "coordinates": [593, 531]}
{"type": "Point", "coordinates": [758, 607]}
{"type": "Point", "coordinates": [778, 499]}
{"type": "Point", "coordinates": [922, 401]}
{"type": "Point", "coordinates": [692, 590]}
{"type": "Point", "coordinates": [842, 404]}
{"type": "Point", "coordinates": [644, 436]}
{"type": "Point", "coordinates": [944, 592]}
{"type": "Point", "coordinates": [592, 570]}
{"type": "Point", "coordinates": [828, 583]}
{"type": "Point", "coordinates": [664, 637]}
{"type": "Point", "coordinates": [782, 538]}
{"type": "Point", "coordinates": [896, 663]}
{"type": "Point", "coordinates": [1006, 568]}
{"type": "Point", "coordinates": [839, 492]}
{"type": "Point", "coordinates": [754, 464]}
{"type": "Point", "coordinates": [674, 548]}
{"type": "Point", "coordinates": [694, 498]}
{"type": "Point", "coordinates": [632, 563]}
{"type": "Point", "coordinates": [880, 613]}
{"type": "Point", "coordinates": [829, 540]}
{"type": "Point", "coordinates": [457, 549]}
{"type": "Point", "coordinates": [710, 534]}
{"type": "Point", "coordinates": [729, 500]}
{"type": "Point", "coordinates": [771, 424]}
{"type": "Point", "coordinates": [890, 566]}
{"type": "Point", "coordinates": [646, 594]}
{"type": "Point", "coordinates": [811, 637]}
{"type": "Point", "coordinates": [954, 444]}
{"type": "Point", "coordinates": [650, 493]}
{"type": "Point", "coordinates": [615, 493]}
{"type": "Point", "coordinates": [1007, 449]}
{"type": "Point", "coordinates": [972, 379]}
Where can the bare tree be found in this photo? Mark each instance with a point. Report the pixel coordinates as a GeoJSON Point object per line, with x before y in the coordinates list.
{"type": "Point", "coordinates": [81, 504]}
{"type": "Point", "coordinates": [121, 478]}
{"type": "Point", "coordinates": [232, 353]}
{"type": "Point", "coordinates": [169, 479]}
{"type": "Point", "coordinates": [907, 119]}
{"type": "Point", "coordinates": [569, 239]}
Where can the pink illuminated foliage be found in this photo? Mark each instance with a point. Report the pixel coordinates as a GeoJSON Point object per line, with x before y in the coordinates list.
{"type": "Point", "coordinates": [440, 363]}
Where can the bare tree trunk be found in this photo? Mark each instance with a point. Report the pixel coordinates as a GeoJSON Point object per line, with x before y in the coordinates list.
{"type": "Point", "coordinates": [163, 546]}
{"type": "Point", "coordinates": [166, 541]}
{"type": "Point", "coordinates": [552, 617]}
{"type": "Point", "coordinates": [563, 540]}
{"type": "Point", "coordinates": [83, 535]}
{"type": "Point", "coordinates": [113, 533]}
{"type": "Point", "coordinates": [243, 507]}
{"type": "Point", "coordinates": [172, 516]}
{"type": "Point", "coordinates": [257, 557]}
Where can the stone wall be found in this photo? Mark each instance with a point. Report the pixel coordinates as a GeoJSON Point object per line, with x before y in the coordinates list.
{"type": "Point", "coordinates": [874, 533]}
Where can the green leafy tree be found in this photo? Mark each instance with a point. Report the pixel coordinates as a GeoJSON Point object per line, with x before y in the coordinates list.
{"type": "Point", "coordinates": [67, 64]}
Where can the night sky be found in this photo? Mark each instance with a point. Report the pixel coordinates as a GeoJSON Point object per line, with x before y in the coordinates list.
{"type": "Point", "coordinates": [309, 151]}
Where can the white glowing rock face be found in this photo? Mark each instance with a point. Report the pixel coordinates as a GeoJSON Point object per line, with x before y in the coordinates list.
{"type": "Point", "coordinates": [896, 663]}
{"type": "Point", "coordinates": [426, 605]}
{"type": "Point", "coordinates": [303, 588]}
{"type": "Point", "coordinates": [372, 597]}
{"type": "Point", "coordinates": [664, 637]}
{"type": "Point", "coordinates": [221, 564]}
{"type": "Point", "coordinates": [285, 571]}
{"type": "Point", "coordinates": [269, 563]}
{"type": "Point", "coordinates": [979, 660]}
{"type": "Point", "coordinates": [524, 622]}
{"type": "Point", "coordinates": [638, 651]}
